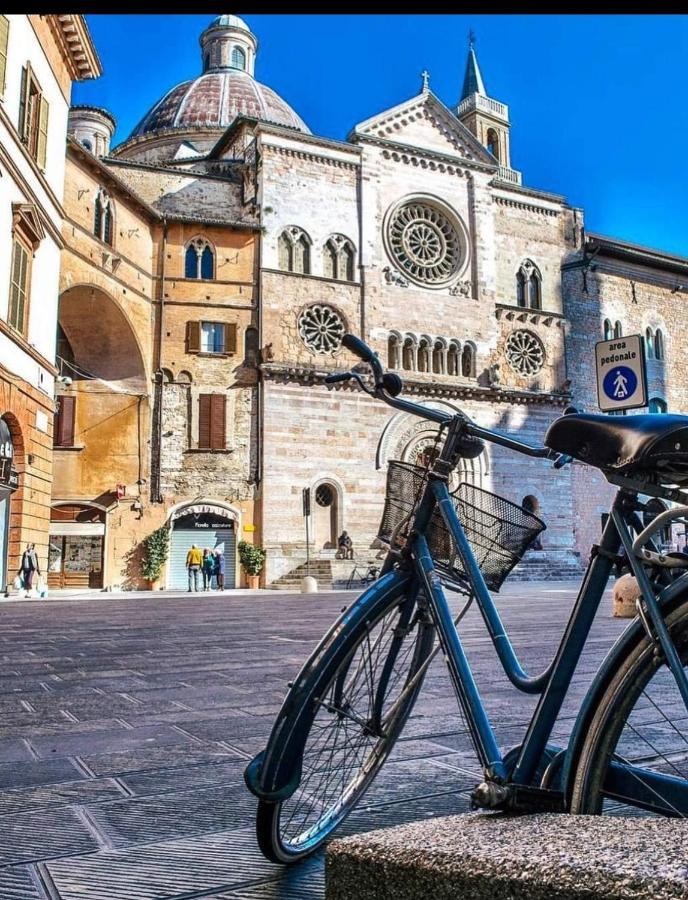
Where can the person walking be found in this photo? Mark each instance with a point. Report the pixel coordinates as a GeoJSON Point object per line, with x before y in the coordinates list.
{"type": "Point", "coordinates": [194, 560]}
{"type": "Point", "coordinates": [220, 570]}
{"type": "Point", "coordinates": [29, 565]}
{"type": "Point", "coordinates": [208, 568]}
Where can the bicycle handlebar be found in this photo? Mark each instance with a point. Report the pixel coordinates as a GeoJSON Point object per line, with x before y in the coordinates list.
{"type": "Point", "coordinates": [360, 349]}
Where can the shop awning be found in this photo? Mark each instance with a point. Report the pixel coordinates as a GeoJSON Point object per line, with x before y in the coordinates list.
{"type": "Point", "coordinates": [84, 529]}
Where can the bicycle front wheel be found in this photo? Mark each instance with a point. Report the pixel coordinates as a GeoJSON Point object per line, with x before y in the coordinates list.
{"type": "Point", "coordinates": [355, 705]}
{"type": "Point", "coordinates": [636, 751]}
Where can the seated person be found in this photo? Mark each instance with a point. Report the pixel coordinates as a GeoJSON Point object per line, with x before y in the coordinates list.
{"type": "Point", "coordinates": [345, 546]}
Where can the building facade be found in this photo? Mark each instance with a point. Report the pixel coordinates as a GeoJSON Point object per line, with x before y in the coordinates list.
{"type": "Point", "coordinates": [269, 242]}
{"type": "Point", "coordinates": [40, 57]}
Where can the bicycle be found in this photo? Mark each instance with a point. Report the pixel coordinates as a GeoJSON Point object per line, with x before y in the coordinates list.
{"type": "Point", "coordinates": [363, 574]}
{"type": "Point", "coordinates": [350, 701]}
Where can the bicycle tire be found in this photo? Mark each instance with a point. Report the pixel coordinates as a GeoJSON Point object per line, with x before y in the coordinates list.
{"type": "Point", "coordinates": [642, 669]}
{"type": "Point", "coordinates": [307, 703]}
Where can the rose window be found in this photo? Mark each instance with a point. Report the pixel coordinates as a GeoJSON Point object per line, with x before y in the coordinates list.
{"type": "Point", "coordinates": [321, 328]}
{"type": "Point", "coordinates": [525, 353]}
{"type": "Point", "coordinates": [425, 244]}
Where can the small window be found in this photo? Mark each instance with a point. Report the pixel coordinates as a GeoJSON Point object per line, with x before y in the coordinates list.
{"type": "Point", "coordinates": [394, 352]}
{"type": "Point", "coordinates": [4, 40]}
{"type": "Point", "coordinates": [85, 142]}
{"type": "Point", "coordinates": [493, 143]}
{"type": "Point", "coordinates": [212, 421]}
{"type": "Point", "coordinates": [438, 353]}
{"type": "Point", "coordinates": [20, 277]}
{"type": "Point", "coordinates": [302, 263]}
{"type": "Point", "coordinates": [608, 330]}
{"type": "Point", "coordinates": [408, 354]}
{"type": "Point", "coordinates": [520, 289]}
{"type": "Point", "coordinates": [659, 344]}
{"type": "Point", "coordinates": [453, 360]}
{"type": "Point", "coordinates": [649, 344]}
{"type": "Point", "coordinates": [468, 361]}
{"type": "Point", "coordinates": [618, 330]}
{"type": "Point", "coordinates": [294, 251]}
{"type": "Point", "coordinates": [528, 285]}
{"type": "Point", "coordinates": [657, 405]}
{"type": "Point", "coordinates": [238, 58]}
{"type": "Point", "coordinates": [199, 260]}
{"type": "Point", "coordinates": [63, 429]}
{"type": "Point", "coordinates": [33, 116]}
{"type": "Point", "coordinates": [211, 337]}
{"type": "Point", "coordinates": [424, 355]}
{"type": "Point", "coordinates": [338, 258]}
{"type": "Point", "coordinates": [251, 346]}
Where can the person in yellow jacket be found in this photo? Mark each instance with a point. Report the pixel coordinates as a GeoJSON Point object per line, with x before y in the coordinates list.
{"type": "Point", "coordinates": [194, 558]}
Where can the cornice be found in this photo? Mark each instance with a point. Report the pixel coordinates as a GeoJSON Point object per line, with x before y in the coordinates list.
{"type": "Point", "coordinates": [297, 153]}
{"type": "Point", "coordinates": [532, 316]}
{"type": "Point", "coordinates": [450, 158]}
{"type": "Point", "coordinates": [425, 161]}
{"type": "Point", "coordinates": [522, 204]}
{"type": "Point", "coordinates": [28, 348]}
{"type": "Point", "coordinates": [75, 40]}
{"type": "Point", "coordinates": [299, 373]}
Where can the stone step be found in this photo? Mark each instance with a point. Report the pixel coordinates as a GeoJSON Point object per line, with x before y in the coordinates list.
{"type": "Point", "coordinates": [487, 856]}
{"type": "Point", "coordinates": [320, 569]}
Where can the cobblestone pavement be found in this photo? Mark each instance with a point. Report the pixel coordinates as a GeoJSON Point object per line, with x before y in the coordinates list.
{"type": "Point", "coordinates": [126, 724]}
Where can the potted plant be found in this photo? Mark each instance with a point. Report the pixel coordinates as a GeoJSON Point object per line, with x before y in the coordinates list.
{"type": "Point", "coordinates": [252, 559]}
{"type": "Point", "coordinates": [155, 550]}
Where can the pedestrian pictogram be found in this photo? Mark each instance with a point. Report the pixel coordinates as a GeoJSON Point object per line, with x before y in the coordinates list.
{"type": "Point", "coordinates": [621, 382]}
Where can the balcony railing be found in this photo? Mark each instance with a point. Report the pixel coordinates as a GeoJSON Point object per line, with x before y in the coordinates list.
{"type": "Point", "coordinates": [510, 175]}
{"type": "Point", "coordinates": [487, 104]}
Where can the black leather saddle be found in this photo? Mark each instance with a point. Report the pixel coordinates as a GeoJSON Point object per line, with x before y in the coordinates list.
{"type": "Point", "coordinates": [644, 444]}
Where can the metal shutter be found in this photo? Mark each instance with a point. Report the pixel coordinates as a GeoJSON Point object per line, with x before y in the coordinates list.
{"type": "Point", "coordinates": [180, 543]}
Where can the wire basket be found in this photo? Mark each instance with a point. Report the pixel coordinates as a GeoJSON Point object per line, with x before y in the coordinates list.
{"type": "Point", "coordinates": [498, 530]}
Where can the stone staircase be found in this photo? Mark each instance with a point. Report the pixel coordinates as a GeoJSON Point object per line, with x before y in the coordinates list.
{"type": "Point", "coordinates": [544, 565]}
{"type": "Point", "coordinates": [320, 569]}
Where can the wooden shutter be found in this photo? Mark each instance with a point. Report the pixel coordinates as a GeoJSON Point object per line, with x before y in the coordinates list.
{"type": "Point", "coordinates": [4, 38]}
{"type": "Point", "coordinates": [218, 407]}
{"type": "Point", "coordinates": [230, 338]}
{"type": "Point", "coordinates": [193, 337]}
{"type": "Point", "coordinates": [63, 431]}
{"type": "Point", "coordinates": [42, 145]}
{"type": "Point", "coordinates": [23, 98]}
{"type": "Point", "coordinates": [204, 417]}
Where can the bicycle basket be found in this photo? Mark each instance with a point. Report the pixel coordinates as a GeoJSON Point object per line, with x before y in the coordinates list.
{"type": "Point", "coordinates": [498, 530]}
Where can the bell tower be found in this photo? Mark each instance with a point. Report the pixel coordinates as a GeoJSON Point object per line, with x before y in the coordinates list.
{"type": "Point", "coordinates": [486, 118]}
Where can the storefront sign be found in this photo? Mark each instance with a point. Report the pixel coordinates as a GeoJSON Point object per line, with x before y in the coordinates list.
{"type": "Point", "coordinates": [9, 480]}
{"type": "Point", "coordinates": [203, 521]}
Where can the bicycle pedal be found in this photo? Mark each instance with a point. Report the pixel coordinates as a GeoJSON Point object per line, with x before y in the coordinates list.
{"type": "Point", "coordinates": [516, 798]}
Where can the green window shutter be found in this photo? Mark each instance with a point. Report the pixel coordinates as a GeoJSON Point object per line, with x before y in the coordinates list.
{"type": "Point", "coordinates": [18, 284]}
{"type": "Point", "coordinates": [42, 145]}
{"type": "Point", "coordinates": [4, 40]}
{"type": "Point", "coordinates": [23, 104]}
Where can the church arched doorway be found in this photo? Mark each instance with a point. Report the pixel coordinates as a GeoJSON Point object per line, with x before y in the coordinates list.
{"type": "Point", "coordinates": [325, 516]}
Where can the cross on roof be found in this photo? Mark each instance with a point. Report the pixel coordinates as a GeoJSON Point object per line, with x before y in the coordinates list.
{"type": "Point", "coordinates": [471, 38]}
{"type": "Point", "coordinates": [425, 75]}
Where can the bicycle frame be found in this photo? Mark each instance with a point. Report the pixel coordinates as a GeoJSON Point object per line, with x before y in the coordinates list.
{"type": "Point", "coordinates": [552, 684]}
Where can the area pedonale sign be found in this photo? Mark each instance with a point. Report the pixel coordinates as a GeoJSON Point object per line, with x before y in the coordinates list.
{"type": "Point", "coordinates": [621, 378]}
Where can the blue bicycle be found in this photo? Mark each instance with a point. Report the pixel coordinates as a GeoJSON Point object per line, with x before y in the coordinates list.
{"type": "Point", "coordinates": [349, 703]}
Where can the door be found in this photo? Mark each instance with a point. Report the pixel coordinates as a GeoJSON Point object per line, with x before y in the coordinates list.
{"type": "Point", "coordinates": [75, 561]}
{"type": "Point", "coordinates": [325, 517]}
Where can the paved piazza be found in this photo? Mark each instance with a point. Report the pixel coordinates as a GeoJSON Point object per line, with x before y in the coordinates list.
{"type": "Point", "coordinates": [127, 722]}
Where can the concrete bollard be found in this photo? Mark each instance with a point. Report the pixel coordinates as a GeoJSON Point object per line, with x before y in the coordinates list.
{"type": "Point", "coordinates": [626, 592]}
{"type": "Point", "coordinates": [308, 585]}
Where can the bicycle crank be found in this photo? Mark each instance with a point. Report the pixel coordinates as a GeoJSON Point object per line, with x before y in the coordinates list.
{"type": "Point", "coordinates": [516, 798]}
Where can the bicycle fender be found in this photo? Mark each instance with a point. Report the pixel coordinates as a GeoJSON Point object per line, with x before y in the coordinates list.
{"type": "Point", "coordinates": [670, 599]}
{"type": "Point", "coordinates": [252, 775]}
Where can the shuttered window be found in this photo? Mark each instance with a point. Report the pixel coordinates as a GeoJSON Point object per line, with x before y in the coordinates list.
{"type": "Point", "coordinates": [42, 139]}
{"type": "Point", "coordinates": [212, 421]}
{"type": "Point", "coordinates": [4, 40]}
{"type": "Point", "coordinates": [63, 432]}
{"type": "Point", "coordinates": [17, 314]}
{"type": "Point", "coordinates": [211, 337]}
{"type": "Point", "coordinates": [33, 117]}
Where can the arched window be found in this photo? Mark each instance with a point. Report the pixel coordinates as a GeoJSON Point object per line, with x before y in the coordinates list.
{"type": "Point", "coordinates": [438, 358]}
{"type": "Point", "coordinates": [199, 259]}
{"type": "Point", "coordinates": [618, 330]}
{"type": "Point", "coordinates": [238, 58]}
{"type": "Point", "coordinates": [657, 405]}
{"type": "Point", "coordinates": [528, 285]}
{"type": "Point", "coordinates": [102, 221]}
{"type": "Point", "coordinates": [394, 351]}
{"type": "Point", "coordinates": [408, 356]}
{"type": "Point", "coordinates": [338, 258]}
{"type": "Point", "coordinates": [294, 251]}
{"type": "Point", "coordinates": [424, 355]}
{"type": "Point", "coordinates": [468, 361]}
{"type": "Point", "coordinates": [608, 330]}
{"type": "Point", "coordinates": [85, 142]}
{"type": "Point", "coordinates": [520, 288]}
{"type": "Point", "coordinates": [649, 344]}
{"type": "Point", "coordinates": [659, 344]}
{"type": "Point", "coordinates": [251, 346]}
{"type": "Point", "coordinates": [493, 143]}
{"type": "Point", "coordinates": [453, 359]}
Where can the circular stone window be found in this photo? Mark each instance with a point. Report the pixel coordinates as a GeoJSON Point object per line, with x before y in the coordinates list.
{"type": "Point", "coordinates": [524, 352]}
{"type": "Point", "coordinates": [425, 243]}
{"type": "Point", "coordinates": [324, 495]}
{"type": "Point", "coordinates": [321, 328]}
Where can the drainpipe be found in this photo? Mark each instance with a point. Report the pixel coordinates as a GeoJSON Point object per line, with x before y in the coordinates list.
{"type": "Point", "coordinates": [155, 495]}
{"type": "Point", "coordinates": [361, 269]}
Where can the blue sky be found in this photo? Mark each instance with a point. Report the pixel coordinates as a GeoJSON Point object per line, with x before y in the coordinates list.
{"type": "Point", "coordinates": [597, 103]}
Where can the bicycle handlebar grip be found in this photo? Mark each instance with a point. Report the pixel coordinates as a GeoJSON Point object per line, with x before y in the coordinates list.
{"type": "Point", "coordinates": [338, 376]}
{"type": "Point", "coordinates": [358, 347]}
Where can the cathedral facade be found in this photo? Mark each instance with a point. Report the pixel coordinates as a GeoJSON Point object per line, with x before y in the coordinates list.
{"type": "Point", "coordinates": [252, 245]}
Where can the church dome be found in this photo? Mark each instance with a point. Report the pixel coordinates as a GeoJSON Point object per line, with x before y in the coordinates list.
{"type": "Point", "coordinates": [225, 89]}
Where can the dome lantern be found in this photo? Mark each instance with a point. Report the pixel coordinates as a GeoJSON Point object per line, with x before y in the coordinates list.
{"type": "Point", "coordinates": [228, 43]}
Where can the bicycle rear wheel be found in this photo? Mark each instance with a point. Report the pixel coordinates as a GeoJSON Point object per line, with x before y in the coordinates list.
{"type": "Point", "coordinates": [636, 751]}
{"type": "Point", "coordinates": [348, 717]}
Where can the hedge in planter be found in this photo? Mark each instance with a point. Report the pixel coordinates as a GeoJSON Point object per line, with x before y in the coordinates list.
{"type": "Point", "coordinates": [252, 558]}
{"type": "Point", "coordinates": [155, 550]}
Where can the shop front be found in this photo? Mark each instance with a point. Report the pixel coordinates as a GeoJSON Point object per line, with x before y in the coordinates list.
{"type": "Point", "coordinates": [208, 525]}
{"type": "Point", "coordinates": [9, 482]}
{"type": "Point", "coordinates": [77, 539]}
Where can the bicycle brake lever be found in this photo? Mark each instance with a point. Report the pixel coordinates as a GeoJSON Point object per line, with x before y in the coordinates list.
{"type": "Point", "coordinates": [562, 460]}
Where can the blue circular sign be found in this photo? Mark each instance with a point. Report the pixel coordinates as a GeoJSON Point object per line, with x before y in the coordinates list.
{"type": "Point", "coordinates": [620, 383]}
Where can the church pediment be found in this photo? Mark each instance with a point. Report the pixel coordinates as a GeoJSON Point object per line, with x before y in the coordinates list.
{"type": "Point", "coordinates": [424, 122]}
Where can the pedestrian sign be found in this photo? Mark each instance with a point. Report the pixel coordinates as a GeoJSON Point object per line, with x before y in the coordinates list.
{"type": "Point", "coordinates": [621, 381]}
